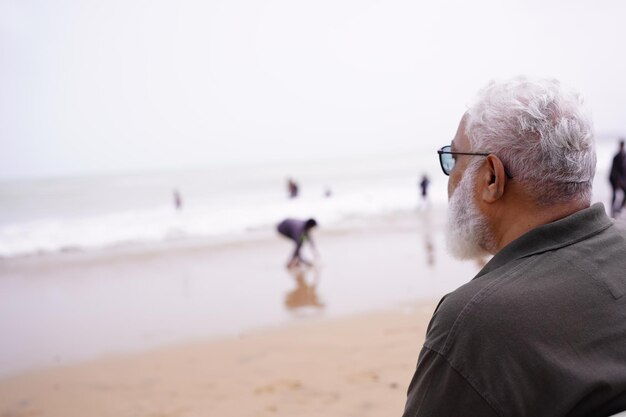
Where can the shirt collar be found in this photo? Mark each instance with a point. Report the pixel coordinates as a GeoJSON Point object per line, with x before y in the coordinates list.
{"type": "Point", "coordinates": [551, 236]}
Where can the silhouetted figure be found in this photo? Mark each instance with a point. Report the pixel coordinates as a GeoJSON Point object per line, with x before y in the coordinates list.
{"type": "Point", "coordinates": [178, 200]}
{"type": "Point", "coordinates": [422, 202]}
{"type": "Point", "coordinates": [424, 183]}
{"type": "Point", "coordinates": [618, 179]}
{"type": "Point", "coordinates": [328, 192]}
{"type": "Point", "coordinates": [292, 188]}
{"type": "Point", "coordinates": [299, 232]}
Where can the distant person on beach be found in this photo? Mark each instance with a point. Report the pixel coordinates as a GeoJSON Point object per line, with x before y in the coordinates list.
{"type": "Point", "coordinates": [178, 200]}
{"type": "Point", "coordinates": [617, 178]}
{"type": "Point", "coordinates": [541, 329]}
{"type": "Point", "coordinates": [424, 183]}
{"type": "Point", "coordinates": [292, 188]}
{"type": "Point", "coordinates": [299, 231]}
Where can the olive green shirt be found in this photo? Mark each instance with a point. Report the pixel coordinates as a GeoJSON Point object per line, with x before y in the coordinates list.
{"type": "Point", "coordinates": [540, 331]}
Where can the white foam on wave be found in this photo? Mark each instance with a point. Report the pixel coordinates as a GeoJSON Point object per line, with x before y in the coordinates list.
{"type": "Point", "coordinates": [78, 214]}
{"type": "Point", "coordinates": [235, 214]}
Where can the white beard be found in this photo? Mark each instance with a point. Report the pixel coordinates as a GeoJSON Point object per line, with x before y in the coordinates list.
{"type": "Point", "coordinates": [467, 229]}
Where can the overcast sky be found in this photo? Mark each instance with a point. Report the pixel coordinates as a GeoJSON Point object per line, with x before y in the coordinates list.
{"type": "Point", "coordinates": [105, 86]}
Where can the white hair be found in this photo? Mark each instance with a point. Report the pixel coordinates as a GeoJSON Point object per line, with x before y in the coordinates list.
{"type": "Point", "coordinates": [542, 133]}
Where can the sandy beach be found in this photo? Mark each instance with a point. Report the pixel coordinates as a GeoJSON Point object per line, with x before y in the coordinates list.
{"type": "Point", "coordinates": [222, 328]}
{"type": "Point", "coordinates": [352, 366]}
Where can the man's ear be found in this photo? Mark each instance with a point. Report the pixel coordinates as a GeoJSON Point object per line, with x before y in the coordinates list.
{"type": "Point", "coordinates": [495, 180]}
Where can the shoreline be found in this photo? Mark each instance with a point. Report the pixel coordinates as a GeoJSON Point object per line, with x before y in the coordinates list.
{"type": "Point", "coordinates": [353, 223]}
{"type": "Point", "coordinates": [75, 307]}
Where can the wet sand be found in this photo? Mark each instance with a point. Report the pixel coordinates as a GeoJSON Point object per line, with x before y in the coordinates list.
{"type": "Point", "coordinates": [222, 328]}
{"type": "Point", "coordinates": [351, 366]}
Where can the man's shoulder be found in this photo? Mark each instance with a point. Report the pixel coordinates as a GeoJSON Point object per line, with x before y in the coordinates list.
{"type": "Point", "coordinates": [473, 304]}
{"type": "Point", "coordinates": [519, 295]}
{"type": "Point", "coordinates": [601, 258]}
{"type": "Point", "coordinates": [544, 317]}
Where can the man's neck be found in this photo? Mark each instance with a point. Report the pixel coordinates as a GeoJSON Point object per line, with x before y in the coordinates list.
{"type": "Point", "coordinates": [526, 217]}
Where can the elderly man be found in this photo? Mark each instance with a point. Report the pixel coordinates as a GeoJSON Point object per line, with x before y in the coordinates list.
{"type": "Point", "coordinates": [541, 329]}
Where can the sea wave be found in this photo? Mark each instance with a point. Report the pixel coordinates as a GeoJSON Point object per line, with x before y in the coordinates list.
{"type": "Point", "coordinates": [164, 223]}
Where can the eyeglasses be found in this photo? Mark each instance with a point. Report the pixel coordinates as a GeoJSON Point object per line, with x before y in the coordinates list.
{"type": "Point", "coordinates": [447, 160]}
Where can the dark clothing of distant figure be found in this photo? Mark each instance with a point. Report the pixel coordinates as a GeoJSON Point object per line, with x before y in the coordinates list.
{"type": "Point", "coordinates": [539, 332]}
{"type": "Point", "coordinates": [424, 185]}
{"type": "Point", "coordinates": [298, 231]}
{"type": "Point", "coordinates": [178, 200]}
{"type": "Point", "coordinates": [617, 178]}
{"type": "Point", "coordinates": [292, 188]}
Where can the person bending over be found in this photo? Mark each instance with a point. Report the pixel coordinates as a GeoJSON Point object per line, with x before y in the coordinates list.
{"type": "Point", "coordinates": [299, 232]}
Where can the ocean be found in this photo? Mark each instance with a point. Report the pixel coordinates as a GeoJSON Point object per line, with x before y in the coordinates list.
{"type": "Point", "coordinates": [92, 212]}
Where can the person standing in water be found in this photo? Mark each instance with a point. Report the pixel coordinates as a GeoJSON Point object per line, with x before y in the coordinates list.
{"type": "Point", "coordinates": [292, 188]}
{"type": "Point", "coordinates": [299, 232]}
{"type": "Point", "coordinates": [178, 200]}
{"type": "Point", "coordinates": [424, 183]}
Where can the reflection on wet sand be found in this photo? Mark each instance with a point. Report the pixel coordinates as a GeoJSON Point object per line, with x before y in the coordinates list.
{"type": "Point", "coordinates": [305, 293]}
{"type": "Point", "coordinates": [428, 238]}
{"type": "Point", "coordinates": [430, 251]}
